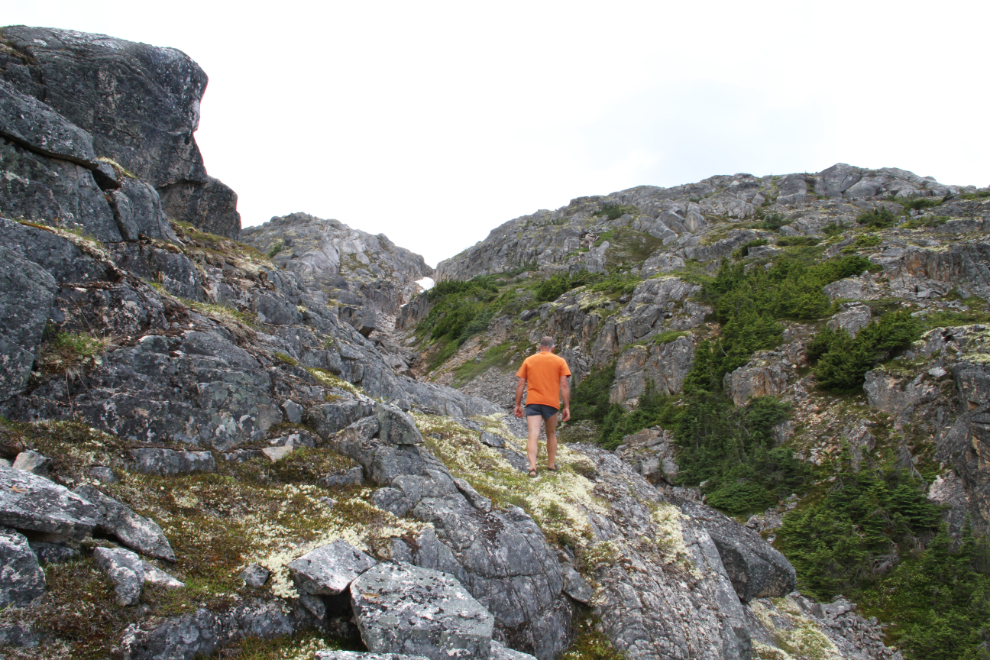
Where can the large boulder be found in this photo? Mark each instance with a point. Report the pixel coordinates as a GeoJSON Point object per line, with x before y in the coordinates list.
{"type": "Point", "coordinates": [21, 578]}
{"type": "Point", "coordinates": [30, 502]}
{"type": "Point", "coordinates": [400, 608]}
{"type": "Point", "coordinates": [26, 295]}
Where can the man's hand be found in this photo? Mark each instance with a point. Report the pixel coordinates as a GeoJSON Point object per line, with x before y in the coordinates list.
{"type": "Point", "coordinates": [518, 411]}
{"type": "Point", "coordinates": [567, 414]}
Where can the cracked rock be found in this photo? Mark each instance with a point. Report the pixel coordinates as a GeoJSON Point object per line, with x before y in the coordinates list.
{"type": "Point", "coordinates": [134, 531]}
{"type": "Point", "coordinates": [402, 608]}
{"type": "Point", "coordinates": [125, 569]}
{"type": "Point", "coordinates": [330, 569]}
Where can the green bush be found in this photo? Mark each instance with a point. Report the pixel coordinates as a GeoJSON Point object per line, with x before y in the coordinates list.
{"type": "Point", "coordinates": [837, 544]}
{"type": "Point", "coordinates": [833, 229]}
{"type": "Point", "coordinates": [878, 218]}
{"type": "Point", "coordinates": [785, 241]}
{"type": "Point", "coordinates": [928, 221]}
{"type": "Point", "coordinates": [278, 247]}
{"type": "Point", "coordinates": [553, 287]}
{"type": "Point", "coordinates": [771, 221]}
{"type": "Point", "coordinates": [938, 603]}
{"type": "Point", "coordinates": [841, 361]}
{"type": "Point", "coordinates": [920, 203]}
{"type": "Point", "coordinates": [616, 211]}
{"type": "Point", "coordinates": [744, 250]}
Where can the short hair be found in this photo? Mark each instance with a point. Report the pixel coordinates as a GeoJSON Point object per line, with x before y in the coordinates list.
{"type": "Point", "coordinates": [546, 342]}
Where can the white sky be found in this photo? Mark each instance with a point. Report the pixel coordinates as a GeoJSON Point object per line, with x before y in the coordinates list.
{"type": "Point", "coordinates": [435, 122]}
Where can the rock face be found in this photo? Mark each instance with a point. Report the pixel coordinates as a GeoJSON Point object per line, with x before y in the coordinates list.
{"type": "Point", "coordinates": [420, 612]}
{"type": "Point", "coordinates": [356, 269]}
{"type": "Point", "coordinates": [139, 103]}
{"type": "Point", "coordinates": [26, 294]}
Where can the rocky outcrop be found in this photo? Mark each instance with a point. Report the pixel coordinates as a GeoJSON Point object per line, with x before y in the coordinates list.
{"type": "Point", "coordinates": [30, 502]}
{"type": "Point", "coordinates": [21, 578]}
{"type": "Point", "coordinates": [354, 268]}
{"type": "Point", "coordinates": [139, 103]}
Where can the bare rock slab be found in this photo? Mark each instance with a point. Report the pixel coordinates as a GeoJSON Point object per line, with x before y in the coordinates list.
{"type": "Point", "coordinates": [500, 652]}
{"type": "Point", "coordinates": [330, 569]}
{"type": "Point", "coordinates": [168, 462]}
{"type": "Point", "coordinates": [400, 608]}
{"type": "Point", "coordinates": [30, 502]}
{"type": "Point", "coordinates": [134, 531]}
{"type": "Point", "coordinates": [21, 578]}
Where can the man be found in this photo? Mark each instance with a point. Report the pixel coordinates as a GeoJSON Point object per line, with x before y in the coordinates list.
{"type": "Point", "coordinates": [545, 376]}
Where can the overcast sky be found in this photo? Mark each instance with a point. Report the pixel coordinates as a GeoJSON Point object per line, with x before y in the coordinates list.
{"type": "Point", "coordinates": [435, 122]}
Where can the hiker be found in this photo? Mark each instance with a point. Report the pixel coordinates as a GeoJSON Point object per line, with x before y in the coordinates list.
{"type": "Point", "coordinates": [544, 377]}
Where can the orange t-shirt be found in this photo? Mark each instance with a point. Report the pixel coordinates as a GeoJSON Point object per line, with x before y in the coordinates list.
{"type": "Point", "coordinates": [543, 372]}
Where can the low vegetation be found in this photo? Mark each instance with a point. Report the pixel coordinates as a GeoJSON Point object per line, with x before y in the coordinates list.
{"type": "Point", "coordinates": [877, 218]}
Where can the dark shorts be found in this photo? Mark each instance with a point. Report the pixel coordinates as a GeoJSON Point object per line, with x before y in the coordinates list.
{"type": "Point", "coordinates": [546, 412]}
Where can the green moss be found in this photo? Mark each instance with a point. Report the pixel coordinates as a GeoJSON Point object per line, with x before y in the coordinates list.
{"type": "Point", "coordinates": [278, 247]}
{"type": "Point", "coordinates": [669, 336]}
{"type": "Point", "coordinates": [926, 221]}
{"type": "Point", "coordinates": [787, 241]}
{"type": "Point", "coordinates": [287, 359]}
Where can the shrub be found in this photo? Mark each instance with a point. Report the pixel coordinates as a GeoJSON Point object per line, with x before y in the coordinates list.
{"type": "Point", "coordinates": [833, 229]}
{"type": "Point", "coordinates": [838, 544]}
{"type": "Point", "coordinates": [616, 211]}
{"type": "Point", "coordinates": [744, 250]}
{"type": "Point", "coordinates": [553, 287]}
{"type": "Point", "coordinates": [929, 221]}
{"type": "Point", "coordinates": [771, 222]}
{"type": "Point", "coordinates": [785, 241]}
{"type": "Point", "coordinates": [841, 361]}
{"type": "Point", "coordinates": [920, 203]}
{"type": "Point", "coordinates": [878, 218]}
{"type": "Point", "coordinates": [278, 247]}
{"type": "Point", "coordinates": [669, 336]}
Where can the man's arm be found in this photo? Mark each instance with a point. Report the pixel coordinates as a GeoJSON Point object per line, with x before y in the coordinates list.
{"type": "Point", "coordinates": [520, 386]}
{"type": "Point", "coordinates": [565, 393]}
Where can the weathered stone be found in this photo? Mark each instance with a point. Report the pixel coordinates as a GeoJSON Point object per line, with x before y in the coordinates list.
{"type": "Point", "coordinates": [756, 569]}
{"type": "Point", "coordinates": [500, 652]}
{"type": "Point", "coordinates": [275, 454]}
{"type": "Point", "coordinates": [26, 295]}
{"type": "Point", "coordinates": [103, 474]}
{"type": "Point", "coordinates": [666, 366]}
{"type": "Point", "coordinates": [168, 462]}
{"type": "Point", "coordinates": [397, 427]}
{"type": "Point", "coordinates": [30, 123]}
{"type": "Point", "coordinates": [21, 578]}
{"type": "Point", "coordinates": [155, 575]}
{"type": "Point", "coordinates": [477, 500]}
{"type": "Point", "coordinates": [651, 452]}
{"type": "Point", "coordinates": [757, 378]}
{"type": "Point", "coordinates": [137, 210]}
{"type": "Point", "coordinates": [30, 502]}
{"type": "Point", "coordinates": [33, 462]}
{"type": "Point", "coordinates": [576, 586]}
{"type": "Point", "coordinates": [492, 440]}
{"type": "Point", "coordinates": [125, 569]}
{"type": "Point", "coordinates": [293, 411]}
{"type": "Point", "coordinates": [330, 569]}
{"type": "Point", "coordinates": [352, 477]}
{"type": "Point", "coordinates": [852, 319]}
{"type": "Point", "coordinates": [134, 531]}
{"type": "Point", "coordinates": [255, 575]}
{"type": "Point", "coordinates": [402, 608]}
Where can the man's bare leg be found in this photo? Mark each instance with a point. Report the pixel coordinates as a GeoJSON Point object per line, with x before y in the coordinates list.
{"type": "Point", "coordinates": [552, 442]}
{"type": "Point", "coordinates": [533, 423]}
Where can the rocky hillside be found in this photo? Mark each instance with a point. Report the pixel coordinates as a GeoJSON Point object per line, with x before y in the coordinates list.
{"type": "Point", "coordinates": [809, 343]}
{"type": "Point", "coordinates": [206, 450]}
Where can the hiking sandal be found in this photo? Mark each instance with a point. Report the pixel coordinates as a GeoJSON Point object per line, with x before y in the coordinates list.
{"type": "Point", "coordinates": [532, 474]}
{"type": "Point", "coordinates": [552, 469]}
